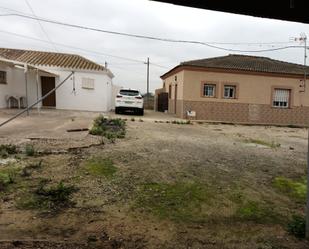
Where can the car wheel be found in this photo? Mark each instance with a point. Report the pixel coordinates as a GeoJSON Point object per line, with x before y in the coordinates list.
{"type": "Point", "coordinates": [141, 112]}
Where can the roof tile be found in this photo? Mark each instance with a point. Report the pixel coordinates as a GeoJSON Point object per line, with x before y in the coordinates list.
{"type": "Point", "coordinates": [40, 58]}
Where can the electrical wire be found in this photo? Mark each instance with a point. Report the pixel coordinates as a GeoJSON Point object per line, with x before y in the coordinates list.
{"type": "Point", "coordinates": [41, 26]}
{"type": "Point", "coordinates": [218, 43]}
{"type": "Point", "coordinates": [82, 49]}
{"type": "Point", "coordinates": [149, 37]}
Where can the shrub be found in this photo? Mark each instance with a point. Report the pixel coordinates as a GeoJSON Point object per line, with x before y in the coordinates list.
{"type": "Point", "coordinates": [7, 149]}
{"type": "Point", "coordinates": [5, 180]}
{"type": "Point", "coordinates": [30, 151]}
{"type": "Point", "coordinates": [297, 226]}
{"type": "Point", "coordinates": [110, 128]}
{"type": "Point", "coordinates": [54, 197]}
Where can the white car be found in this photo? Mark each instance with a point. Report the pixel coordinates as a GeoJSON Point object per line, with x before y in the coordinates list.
{"type": "Point", "coordinates": [129, 100]}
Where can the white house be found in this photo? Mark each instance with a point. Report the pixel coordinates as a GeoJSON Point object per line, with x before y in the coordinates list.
{"type": "Point", "coordinates": [28, 75]}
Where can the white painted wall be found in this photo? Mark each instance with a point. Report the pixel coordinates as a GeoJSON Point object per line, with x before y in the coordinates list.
{"type": "Point", "coordinates": [115, 91]}
{"type": "Point", "coordinates": [97, 99]}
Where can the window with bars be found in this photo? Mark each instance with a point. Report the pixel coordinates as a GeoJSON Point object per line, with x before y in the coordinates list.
{"type": "Point", "coordinates": [229, 92]}
{"type": "Point", "coordinates": [3, 77]}
{"type": "Point", "coordinates": [209, 90]}
{"type": "Point", "coordinates": [281, 98]}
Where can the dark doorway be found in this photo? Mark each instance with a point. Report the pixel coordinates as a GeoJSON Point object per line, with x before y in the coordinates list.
{"type": "Point", "coordinates": [175, 99]}
{"type": "Point", "coordinates": [162, 102]}
{"type": "Point", "coordinates": [48, 84]}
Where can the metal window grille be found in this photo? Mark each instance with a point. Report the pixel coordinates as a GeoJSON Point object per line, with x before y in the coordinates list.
{"type": "Point", "coordinates": [2, 77]}
{"type": "Point", "coordinates": [229, 92]}
{"type": "Point", "coordinates": [209, 90]}
{"type": "Point", "coordinates": [281, 98]}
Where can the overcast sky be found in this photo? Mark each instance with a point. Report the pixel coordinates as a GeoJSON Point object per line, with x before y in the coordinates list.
{"type": "Point", "coordinates": [145, 18]}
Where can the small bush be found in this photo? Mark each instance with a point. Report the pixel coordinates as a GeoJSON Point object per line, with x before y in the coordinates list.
{"type": "Point", "coordinates": [7, 177]}
{"type": "Point", "coordinates": [110, 128]}
{"type": "Point", "coordinates": [52, 198]}
{"type": "Point", "coordinates": [30, 151]}
{"type": "Point", "coordinates": [132, 119]}
{"type": "Point", "coordinates": [7, 149]}
{"type": "Point", "coordinates": [297, 226]}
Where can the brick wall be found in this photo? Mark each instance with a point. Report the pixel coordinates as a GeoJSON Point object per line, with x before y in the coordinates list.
{"type": "Point", "coordinates": [246, 113]}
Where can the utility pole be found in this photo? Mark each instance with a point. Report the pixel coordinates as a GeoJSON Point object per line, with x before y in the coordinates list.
{"type": "Point", "coordinates": [147, 81]}
{"type": "Point", "coordinates": [304, 39]}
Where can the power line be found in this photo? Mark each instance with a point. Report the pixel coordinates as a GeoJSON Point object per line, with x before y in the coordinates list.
{"type": "Point", "coordinates": [73, 47]}
{"type": "Point", "coordinates": [148, 37]}
{"type": "Point", "coordinates": [213, 43]}
{"type": "Point", "coordinates": [82, 49]}
{"type": "Point", "coordinates": [42, 28]}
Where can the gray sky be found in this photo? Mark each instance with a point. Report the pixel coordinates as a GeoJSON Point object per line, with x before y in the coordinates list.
{"type": "Point", "coordinates": [146, 18]}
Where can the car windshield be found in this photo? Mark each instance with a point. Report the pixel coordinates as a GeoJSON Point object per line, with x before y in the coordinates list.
{"type": "Point", "coordinates": [129, 92]}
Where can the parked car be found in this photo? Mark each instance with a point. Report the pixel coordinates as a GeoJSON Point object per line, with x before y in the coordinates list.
{"type": "Point", "coordinates": [129, 100]}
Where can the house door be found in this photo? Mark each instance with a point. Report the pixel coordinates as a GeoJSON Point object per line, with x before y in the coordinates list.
{"type": "Point", "coordinates": [48, 84]}
{"type": "Point", "coordinates": [175, 99]}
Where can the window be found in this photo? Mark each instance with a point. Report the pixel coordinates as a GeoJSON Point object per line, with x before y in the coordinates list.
{"type": "Point", "coordinates": [169, 91]}
{"type": "Point", "coordinates": [3, 77]}
{"type": "Point", "coordinates": [129, 92]}
{"type": "Point", "coordinates": [281, 98]}
{"type": "Point", "coordinates": [229, 92]}
{"type": "Point", "coordinates": [176, 78]}
{"type": "Point", "coordinates": [209, 90]}
{"type": "Point", "coordinates": [87, 83]}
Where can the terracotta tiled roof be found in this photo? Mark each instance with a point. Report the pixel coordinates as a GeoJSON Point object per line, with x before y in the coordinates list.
{"type": "Point", "coordinates": [247, 63]}
{"type": "Point", "coordinates": [39, 58]}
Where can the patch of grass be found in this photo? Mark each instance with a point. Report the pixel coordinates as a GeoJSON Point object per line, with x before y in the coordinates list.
{"type": "Point", "coordinates": [110, 128]}
{"type": "Point", "coordinates": [48, 198]}
{"type": "Point", "coordinates": [101, 167]}
{"type": "Point", "coordinates": [257, 212]}
{"type": "Point", "coordinates": [295, 189]}
{"type": "Point", "coordinates": [7, 149]}
{"type": "Point", "coordinates": [30, 150]}
{"type": "Point", "coordinates": [180, 202]}
{"type": "Point", "coordinates": [297, 226]}
{"type": "Point", "coordinates": [271, 144]}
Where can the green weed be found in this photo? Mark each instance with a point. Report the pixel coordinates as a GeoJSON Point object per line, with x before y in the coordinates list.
{"type": "Point", "coordinates": [48, 198]}
{"type": "Point", "coordinates": [30, 150]}
{"type": "Point", "coordinates": [257, 212]}
{"type": "Point", "coordinates": [295, 189]}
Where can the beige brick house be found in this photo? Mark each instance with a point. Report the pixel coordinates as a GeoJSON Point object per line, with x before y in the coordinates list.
{"type": "Point", "coordinates": [239, 89]}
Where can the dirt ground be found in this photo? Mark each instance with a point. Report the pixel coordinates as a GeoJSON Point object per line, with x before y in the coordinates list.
{"type": "Point", "coordinates": [226, 167]}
